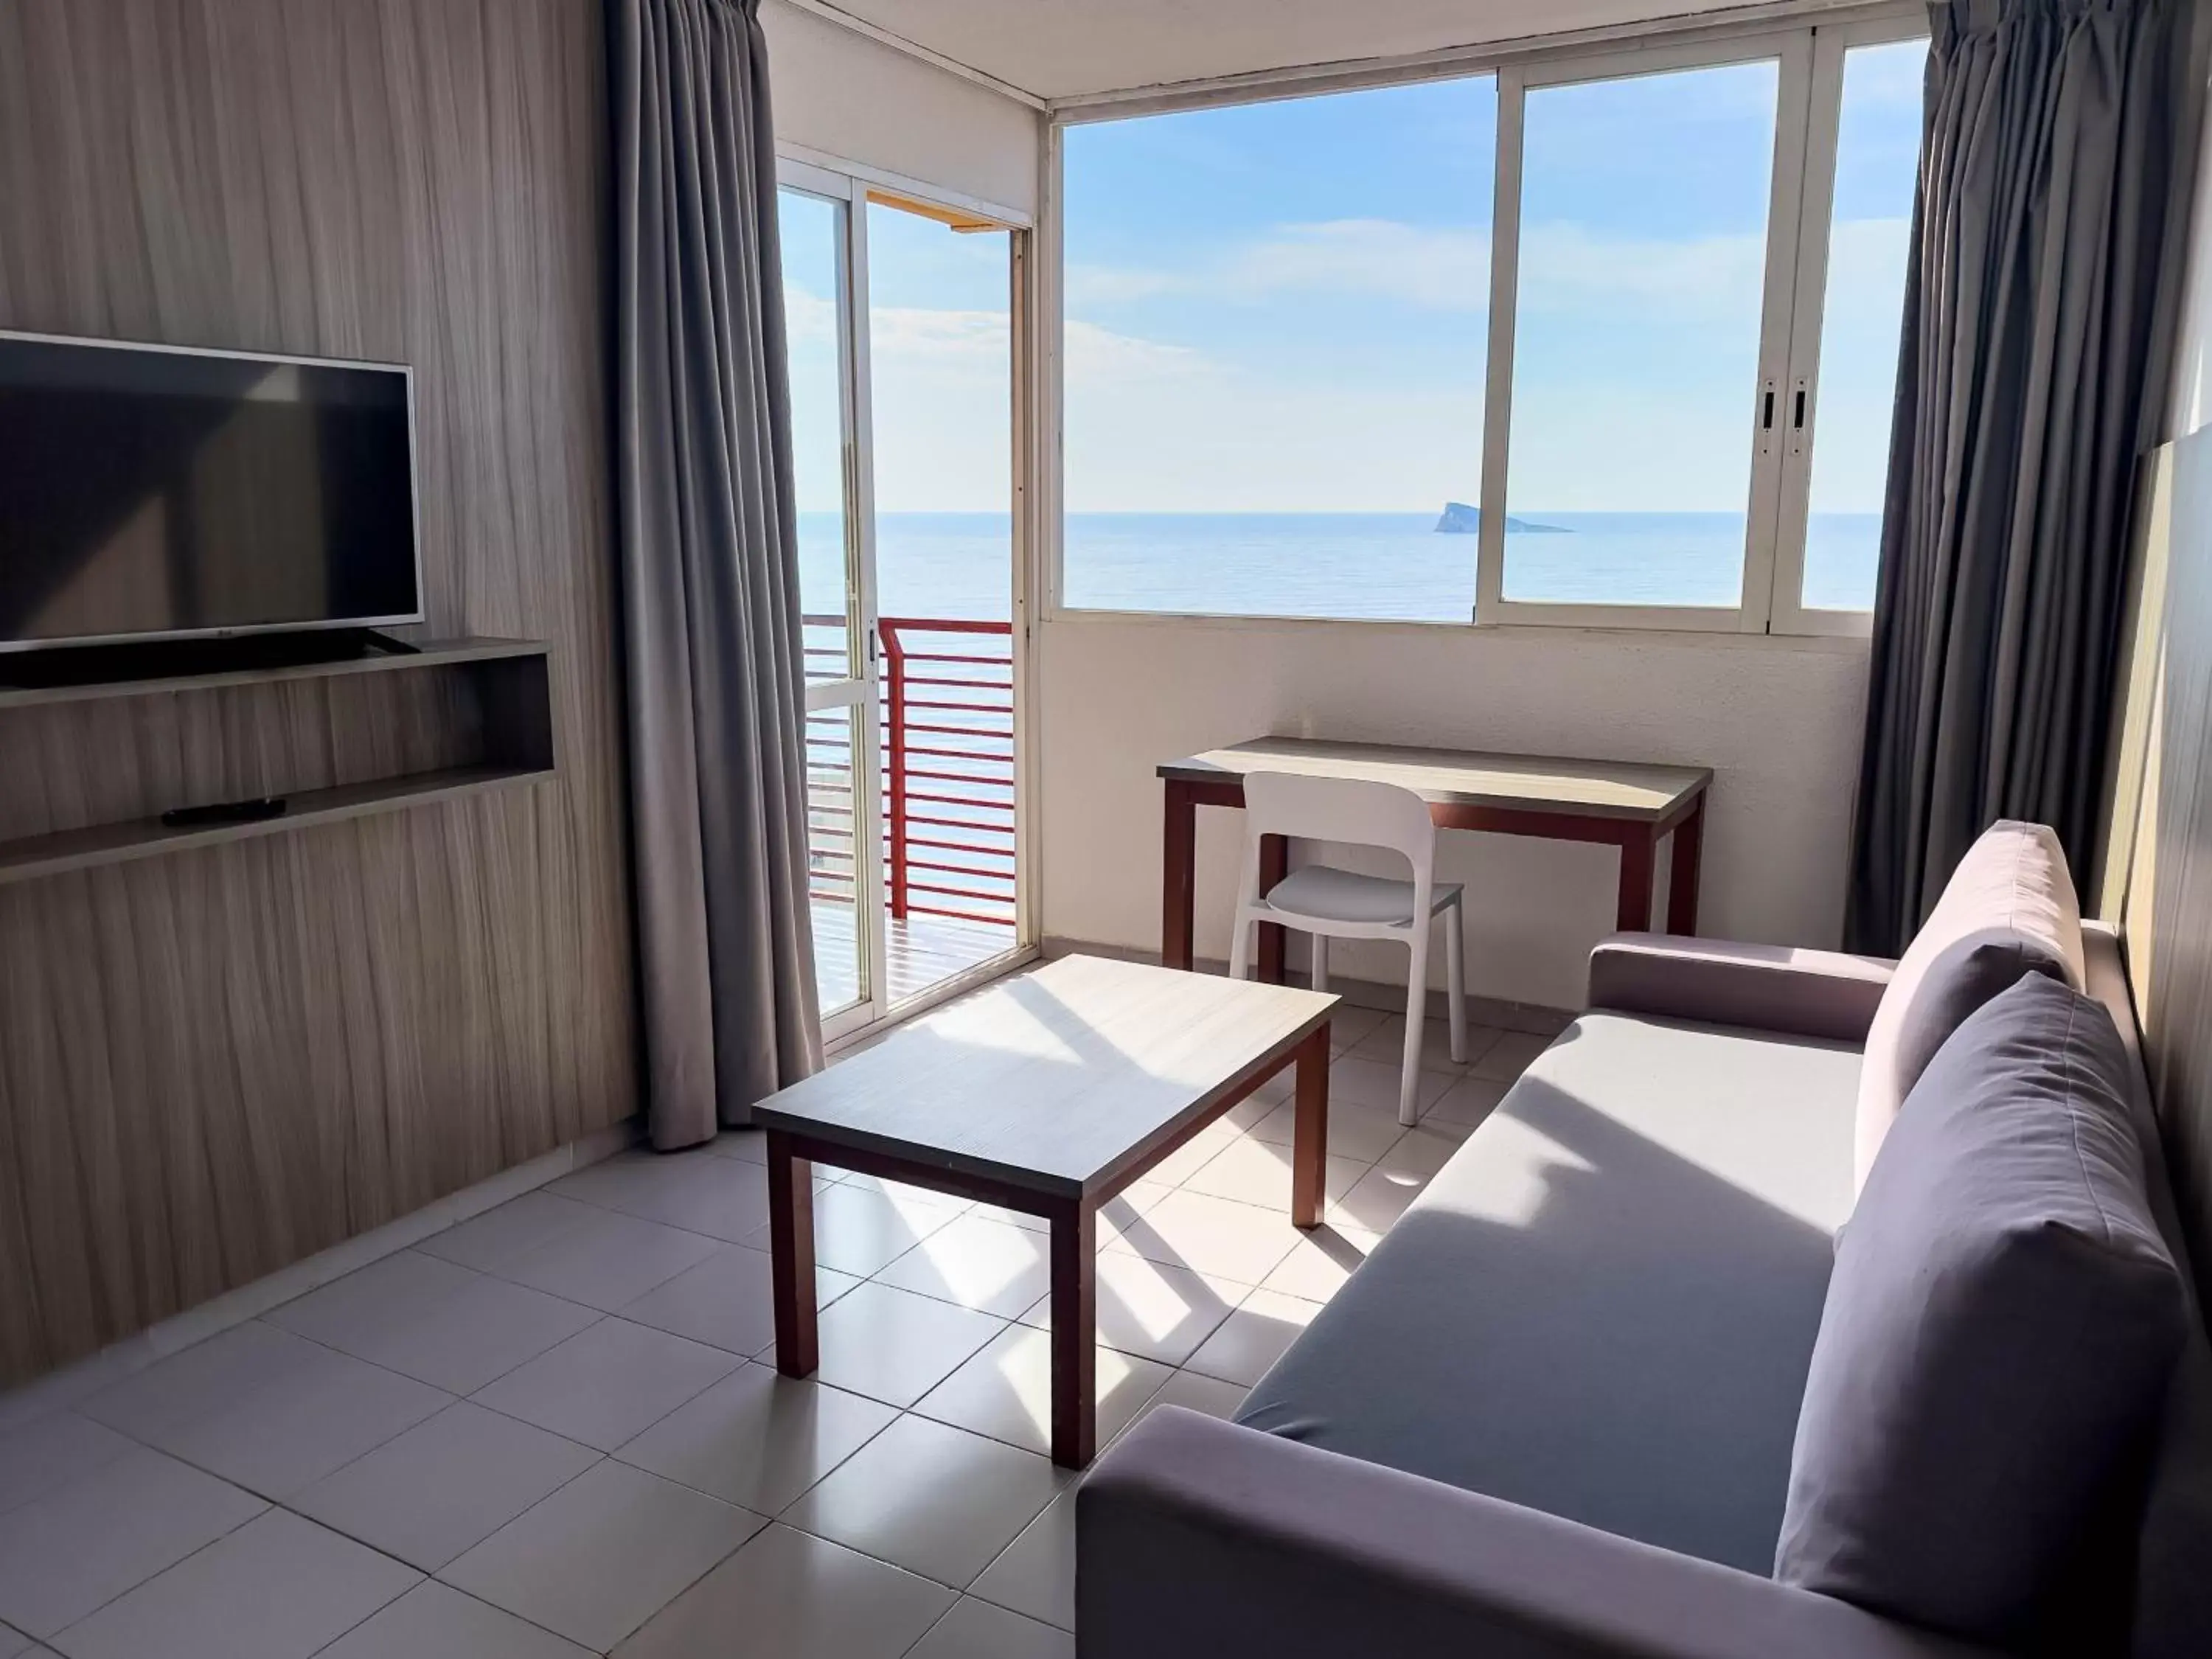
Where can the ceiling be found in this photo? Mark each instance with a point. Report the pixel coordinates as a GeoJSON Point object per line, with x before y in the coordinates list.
{"type": "Point", "coordinates": [1060, 49]}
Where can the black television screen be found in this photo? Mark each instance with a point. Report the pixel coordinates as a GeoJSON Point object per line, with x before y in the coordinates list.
{"type": "Point", "coordinates": [147, 492]}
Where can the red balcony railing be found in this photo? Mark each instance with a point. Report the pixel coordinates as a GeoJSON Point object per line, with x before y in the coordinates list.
{"type": "Point", "coordinates": [948, 795]}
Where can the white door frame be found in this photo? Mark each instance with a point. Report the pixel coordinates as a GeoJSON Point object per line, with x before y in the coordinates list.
{"type": "Point", "coordinates": [820, 176]}
{"type": "Point", "coordinates": [858, 690]}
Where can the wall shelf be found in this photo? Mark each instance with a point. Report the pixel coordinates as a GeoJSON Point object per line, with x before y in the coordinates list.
{"type": "Point", "coordinates": [65, 850]}
{"type": "Point", "coordinates": [434, 653]}
{"type": "Point", "coordinates": [375, 734]}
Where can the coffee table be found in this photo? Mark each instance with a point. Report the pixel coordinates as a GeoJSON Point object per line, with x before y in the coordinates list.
{"type": "Point", "coordinates": [1047, 1094]}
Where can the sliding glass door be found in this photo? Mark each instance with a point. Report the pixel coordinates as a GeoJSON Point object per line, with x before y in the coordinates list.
{"type": "Point", "coordinates": [823, 257]}
{"type": "Point", "coordinates": [899, 317]}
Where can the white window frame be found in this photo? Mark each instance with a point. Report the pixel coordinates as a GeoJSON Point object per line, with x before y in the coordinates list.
{"type": "Point", "coordinates": [1830, 45]}
{"type": "Point", "coordinates": [1791, 51]}
{"type": "Point", "coordinates": [1809, 43]}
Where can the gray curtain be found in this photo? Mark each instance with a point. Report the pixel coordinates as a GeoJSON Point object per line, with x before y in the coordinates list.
{"type": "Point", "coordinates": [2033, 376]}
{"type": "Point", "coordinates": [709, 555]}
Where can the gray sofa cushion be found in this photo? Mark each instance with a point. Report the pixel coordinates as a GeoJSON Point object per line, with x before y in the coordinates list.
{"type": "Point", "coordinates": [1604, 1306]}
{"type": "Point", "coordinates": [1997, 1341]}
{"type": "Point", "coordinates": [2010, 909]}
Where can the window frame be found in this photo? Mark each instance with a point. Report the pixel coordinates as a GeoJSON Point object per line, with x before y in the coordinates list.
{"type": "Point", "coordinates": [1810, 43]}
{"type": "Point", "coordinates": [1832, 47]}
{"type": "Point", "coordinates": [1790, 50]}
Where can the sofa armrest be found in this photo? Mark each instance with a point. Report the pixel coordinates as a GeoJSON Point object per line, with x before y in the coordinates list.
{"type": "Point", "coordinates": [1771, 987]}
{"type": "Point", "coordinates": [1197, 1539]}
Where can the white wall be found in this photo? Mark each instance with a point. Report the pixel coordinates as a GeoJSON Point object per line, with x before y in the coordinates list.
{"type": "Point", "coordinates": [844, 95]}
{"type": "Point", "coordinates": [1779, 724]}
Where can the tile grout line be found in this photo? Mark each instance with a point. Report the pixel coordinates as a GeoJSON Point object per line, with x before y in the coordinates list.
{"type": "Point", "coordinates": [908, 1652]}
{"type": "Point", "coordinates": [1171, 1372]}
{"type": "Point", "coordinates": [267, 1504]}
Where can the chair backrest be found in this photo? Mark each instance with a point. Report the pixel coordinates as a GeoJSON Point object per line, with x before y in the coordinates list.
{"type": "Point", "coordinates": [1358, 812]}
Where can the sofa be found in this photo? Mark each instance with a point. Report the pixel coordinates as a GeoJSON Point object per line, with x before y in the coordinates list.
{"type": "Point", "coordinates": [1553, 1413]}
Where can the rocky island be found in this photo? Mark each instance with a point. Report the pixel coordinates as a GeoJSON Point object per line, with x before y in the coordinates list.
{"type": "Point", "coordinates": [1461, 520]}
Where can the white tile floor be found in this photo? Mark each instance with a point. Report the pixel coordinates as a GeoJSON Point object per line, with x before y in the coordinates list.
{"type": "Point", "coordinates": [556, 1430]}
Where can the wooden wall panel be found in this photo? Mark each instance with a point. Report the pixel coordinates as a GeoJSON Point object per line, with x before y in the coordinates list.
{"type": "Point", "coordinates": [2168, 905]}
{"type": "Point", "coordinates": [215, 1063]}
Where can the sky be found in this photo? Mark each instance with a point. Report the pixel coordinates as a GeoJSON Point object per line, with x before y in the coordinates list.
{"type": "Point", "coordinates": [1282, 306]}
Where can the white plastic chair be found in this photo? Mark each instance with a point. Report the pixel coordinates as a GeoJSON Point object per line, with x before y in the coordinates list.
{"type": "Point", "coordinates": [1326, 903]}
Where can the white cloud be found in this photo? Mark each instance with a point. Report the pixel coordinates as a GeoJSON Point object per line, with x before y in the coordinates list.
{"type": "Point", "coordinates": [1107, 285]}
{"type": "Point", "coordinates": [1229, 441]}
{"type": "Point", "coordinates": [1440, 268]}
{"type": "Point", "coordinates": [969, 342]}
{"type": "Point", "coordinates": [808, 318]}
{"type": "Point", "coordinates": [1564, 266]}
{"type": "Point", "coordinates": [1569, 268]}
{"type": "Point", "coordinates": [1099, 357]}
{"type": "Point", "coordinates": [942, 397]}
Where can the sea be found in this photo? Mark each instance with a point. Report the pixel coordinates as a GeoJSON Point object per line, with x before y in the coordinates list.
{"type": "Point", "coordinates": [1368, 566]}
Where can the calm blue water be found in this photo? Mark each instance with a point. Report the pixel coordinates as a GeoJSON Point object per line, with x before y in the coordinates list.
{"type": "Point", "coordinates": [1381, 566]}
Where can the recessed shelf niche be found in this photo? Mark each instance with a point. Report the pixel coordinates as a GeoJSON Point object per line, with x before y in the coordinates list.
{"type": "Point", "coordinates": [86, 771]}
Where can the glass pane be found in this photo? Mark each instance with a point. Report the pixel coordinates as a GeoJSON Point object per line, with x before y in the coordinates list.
{"type": "Point", "coordinates": [1276, 334]}
{"type": "Point", "coordinates": [1644, 221]}
{"type": "Point", "coordinates": [940, 359]}
{"type": "Point", "coordinates": [1877, 157]}
{"type": "Point", "coordinates": [832, 754]}
{"type": "Point", "coordinates": [812, 234]}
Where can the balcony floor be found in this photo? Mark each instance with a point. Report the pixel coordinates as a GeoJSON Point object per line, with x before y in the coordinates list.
{"type": "Point", "coordinates": [920, 952]}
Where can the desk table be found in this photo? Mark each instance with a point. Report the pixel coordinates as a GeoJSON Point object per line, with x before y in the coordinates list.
{"type": "Point", "coordinates": [1621, 803]}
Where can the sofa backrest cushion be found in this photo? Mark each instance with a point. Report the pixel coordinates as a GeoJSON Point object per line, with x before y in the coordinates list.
{"type": "Point", "coordinates": [2009, 909]}
{"type": "Point", "coordinates": [1996, 1346]}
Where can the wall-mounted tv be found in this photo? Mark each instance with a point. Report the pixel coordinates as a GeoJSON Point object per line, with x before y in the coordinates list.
{"type": "Point", "coordinates": [157, 492]}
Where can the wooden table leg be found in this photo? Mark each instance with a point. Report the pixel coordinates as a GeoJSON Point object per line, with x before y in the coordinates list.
{"type": "Point", "coordinates": [1309, 1131]}
{"type": "Point", "coordinates": [1637, 857]}
{"type": "Point", "coordinates": [791, 1257]}
{"type": "Point", "coordinates": [1682, 876]}
{"type": "Point", "coordinates": [1074, 1336]}
{"type": "Point", "coordinates": [1274, 865]}
{"type": "Point", "coordinates": [1178, 876]}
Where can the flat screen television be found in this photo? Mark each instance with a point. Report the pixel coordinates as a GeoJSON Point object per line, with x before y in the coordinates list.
{"type": "Point", "coordinates": [158, 492]}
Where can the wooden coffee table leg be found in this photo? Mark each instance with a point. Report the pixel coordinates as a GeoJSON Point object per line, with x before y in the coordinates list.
{"type": "Point", "coordinates": [791, 1257]}
{"type": "Point", "coordinates": [1074, 1336]}
{"type": "Point", "coordinates": [1309, 1131]}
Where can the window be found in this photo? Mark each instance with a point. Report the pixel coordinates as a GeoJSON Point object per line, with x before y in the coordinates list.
{"type": "Point", "coordinates": [1293, 368]}
{"type": "Point", "coordinates": [1868, 227]}
{"type": "Point", "coordinates": [1273, 355]}
{"type": "Point", "coordinates": [1638, 336]}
